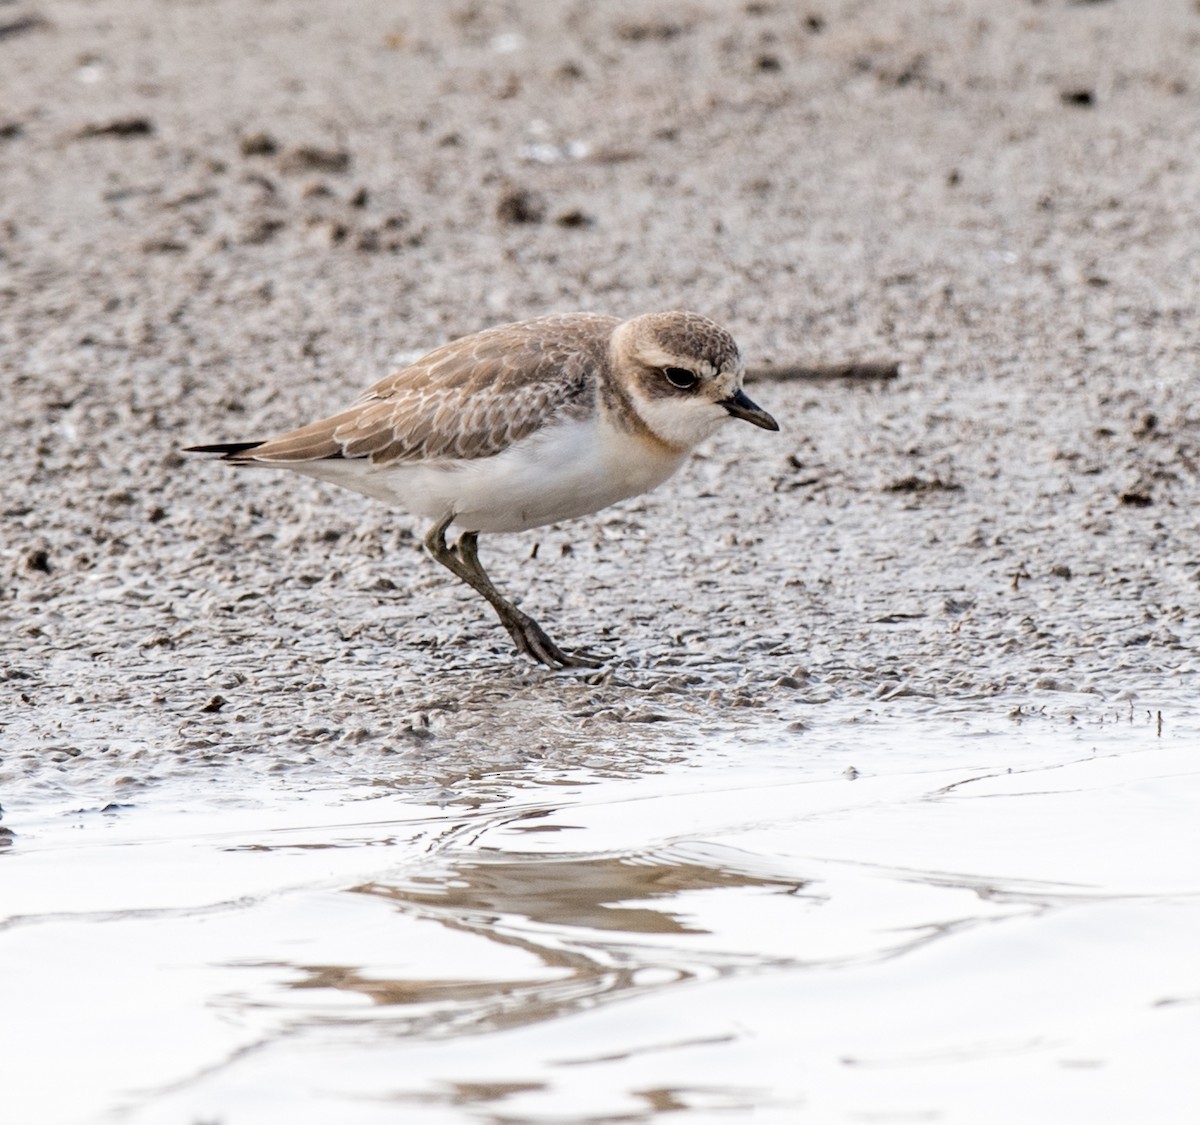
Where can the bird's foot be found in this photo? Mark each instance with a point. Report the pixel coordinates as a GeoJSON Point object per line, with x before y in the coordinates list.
{"type": "Point", "coordinates": [531, 639]}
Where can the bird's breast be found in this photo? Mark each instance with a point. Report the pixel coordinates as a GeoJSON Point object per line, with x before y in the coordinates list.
{"type": "Point", "coordinates": [567, 470]}
{"type": "Point", "coordinates": [570, 468]}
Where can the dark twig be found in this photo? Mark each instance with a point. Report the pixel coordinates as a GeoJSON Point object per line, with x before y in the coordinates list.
{"type": "Point", "coordinates": [21, 25]}
{"type": "Point", "coordinates": [863, 371]}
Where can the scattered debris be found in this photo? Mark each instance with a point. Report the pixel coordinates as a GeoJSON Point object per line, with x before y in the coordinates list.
{"type": "Point", "coordinates": [258, 144]}
{"type": "Point", "coordinates": [1137, 497]}
{"type": "Point", "coordinates": [311, 158]}
{"type": "Point", "coordinates": [163, 246]}
{"type": "Point", "coordinates": [611, 155]}
{"type": "Point", "coordinates": [574, 218]}
{"type": "Point", "coordinates": [519, 205]}
{"type": "Point", "coordinates": [649, 31]}
{"type": "Point", "coordinates": [120, 127]}
{"type": "Point", "coordinates": [1082, 98]}
{"type": "Point", "coordinates": [545, 152]}
{"type": "Point", "coordinates": [188, 198]}
{"type": "Point", "coordinates": [915, 483]}
{"type": "Point", "coordinates": [261, 230]}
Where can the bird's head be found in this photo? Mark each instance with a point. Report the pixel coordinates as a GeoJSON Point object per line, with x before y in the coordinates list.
{"type": "Point", "coordinates": [683, 373]}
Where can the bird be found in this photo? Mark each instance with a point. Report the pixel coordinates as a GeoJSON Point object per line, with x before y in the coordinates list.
{"type": "Point", "coordinates": [522, 425]}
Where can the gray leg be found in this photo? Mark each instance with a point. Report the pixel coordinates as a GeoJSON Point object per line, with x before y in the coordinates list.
{"type": "Point", "coordinates": [526, 633]}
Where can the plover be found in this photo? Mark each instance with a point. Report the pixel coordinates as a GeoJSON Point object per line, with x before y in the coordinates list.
{"type": "Point", "coordinates": [524, 425]}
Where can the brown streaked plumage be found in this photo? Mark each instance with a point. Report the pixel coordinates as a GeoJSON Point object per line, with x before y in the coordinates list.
{"type": "Point", "coordinates": [523, 425]}
{"type": "Point", "coordinates": [470, 398]}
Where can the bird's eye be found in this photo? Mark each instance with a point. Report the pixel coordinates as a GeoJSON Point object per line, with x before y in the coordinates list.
{"type": "Point", "coordinates": [681, 377]}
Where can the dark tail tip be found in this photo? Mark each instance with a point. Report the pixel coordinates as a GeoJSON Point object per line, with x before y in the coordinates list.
{"type": "Point", "coordinates": [229, 450]}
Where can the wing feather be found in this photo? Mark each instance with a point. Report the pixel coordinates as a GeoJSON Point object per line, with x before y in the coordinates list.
{"type": "Point", "coordinates": [469, 398]}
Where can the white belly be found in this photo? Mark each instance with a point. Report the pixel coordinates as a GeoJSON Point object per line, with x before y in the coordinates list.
{"type": "Point", "coordinates": [566, 471]}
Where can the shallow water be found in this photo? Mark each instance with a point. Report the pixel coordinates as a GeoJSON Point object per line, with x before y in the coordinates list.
{"type": "Point", "coordinates": [295, 838]}
{"type": "Point", "coordinates": [903, 922]}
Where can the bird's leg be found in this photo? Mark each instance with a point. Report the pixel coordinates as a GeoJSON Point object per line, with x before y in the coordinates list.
{"type": "Point", "coordinates": [529, 636]}
{"type": "Point", "coordinates": [526, 633]}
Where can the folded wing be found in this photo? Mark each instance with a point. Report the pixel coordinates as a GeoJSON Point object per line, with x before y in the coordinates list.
{"type": "Point", "coordinates": [469, 398]}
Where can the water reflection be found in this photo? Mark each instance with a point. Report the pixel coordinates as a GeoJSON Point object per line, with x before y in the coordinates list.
{"type": "Point", "coordinates": [945, 923]}
{"type": "Point", "coordinates": [581, 923]}
{"type": "Point", "coordinates": [580, 892]}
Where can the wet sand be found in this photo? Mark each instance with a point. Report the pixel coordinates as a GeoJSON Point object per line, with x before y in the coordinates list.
{"type": "Point", "coordinates": [218, 221]}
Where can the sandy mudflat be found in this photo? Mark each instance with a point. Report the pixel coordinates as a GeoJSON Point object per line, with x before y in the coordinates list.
{"type": "Point", "coordinates": [219, 219]}
{"type": "Point", "coordinates": [892, 769]}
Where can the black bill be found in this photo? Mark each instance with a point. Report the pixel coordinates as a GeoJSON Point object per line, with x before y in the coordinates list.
{"type": "Point", "coordinates": [741, 407]}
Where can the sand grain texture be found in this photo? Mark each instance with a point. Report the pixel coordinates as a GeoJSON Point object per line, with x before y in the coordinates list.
{"type": "Point", "coordinates": [219, 221]}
